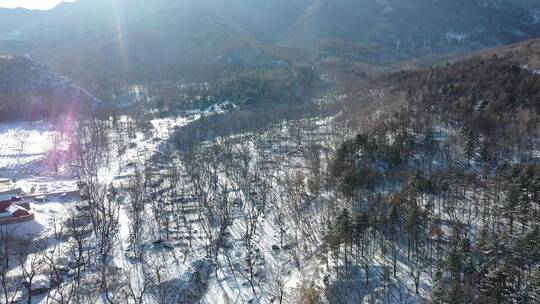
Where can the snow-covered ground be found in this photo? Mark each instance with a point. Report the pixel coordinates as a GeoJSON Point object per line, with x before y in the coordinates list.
{"type": "Point", "coordinates": [25, 148]}
{"type": "Point", "coordinates": [457, 36]}
{"type": "Point", "coordinates": [22, 144]}
{"type": "Point", "coordinates": [47, 215]}
{"type": "Point", "coordinates": [25, 155]}
{"type": "Point", "coordinates": [143, 147]}
{"type": "Point", "coordinates": [534, 71]}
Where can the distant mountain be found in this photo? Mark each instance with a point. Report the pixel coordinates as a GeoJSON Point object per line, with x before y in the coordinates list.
{"type": "Point", "coordinates": [104, 41]}
{"type": "Point", "coordinates": [29, 90]}
{"type": "Point", "coordinates": [389, 30]}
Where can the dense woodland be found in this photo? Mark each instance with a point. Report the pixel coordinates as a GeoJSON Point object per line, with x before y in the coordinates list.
{"type": "Point", "coordinates": [417, 187]}
{"type": "Point", "coordinates": [30, 91]}
{"type": "Point", "coordinates": [452, 176]}
{"type": "Point", "coordinates": [244, 87]}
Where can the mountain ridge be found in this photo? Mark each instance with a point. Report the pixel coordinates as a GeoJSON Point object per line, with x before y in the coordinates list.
{"type": "Point", "coordinates": [396, 30]}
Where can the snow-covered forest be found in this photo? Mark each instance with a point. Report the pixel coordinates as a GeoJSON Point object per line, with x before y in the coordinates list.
{"type": "Point", "coordinates": [391, 193]}
{"type": "Point", "coordinates": [270, 152]}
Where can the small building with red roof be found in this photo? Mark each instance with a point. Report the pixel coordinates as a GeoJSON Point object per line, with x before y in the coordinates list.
{"type": "Point", "coordinates": [5, 202]}
{"type": "Point", "coordinates": [13, 213]}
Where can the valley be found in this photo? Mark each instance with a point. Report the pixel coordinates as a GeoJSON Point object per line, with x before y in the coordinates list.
{"type": "Point", "coordinates": [298, 151]}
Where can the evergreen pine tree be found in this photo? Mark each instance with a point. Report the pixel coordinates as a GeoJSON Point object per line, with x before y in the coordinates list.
{"type": "Point", "coordinates": [468, 265]}
{"type": "Point", "coordinates": [513, 196]}
{"type": "Point", "coordinates": [344, 232]}
{"type": "Point", "coordinates": [430, 143]}
{"type": "Point", "coordinates": [360, 226]}
{"type": "Point", "coordinates": [535, 196]}
{"type": "Point", "coordinates": [469, 271]}
{"type": "Point", "coordinates": [494, 287]}
{"type": "Point", "coordinates": [455, 294]}
{"type": "Point", "coordinates": [524, 208]}
{"type": "Point", "coordinates": [438, 294]}
{"type": "Point", "coordinates": [535, 285]}
{"type": "Point", "coordinates": [454, 264]}
{"type": "Point", "coordinates": [470, 146]}
{"type": "Point", "coordinates": [485, 152]}
{"type": "Point", "coordinates": [333, 242]}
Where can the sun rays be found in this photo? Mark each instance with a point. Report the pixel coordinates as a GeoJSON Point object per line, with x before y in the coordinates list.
{"type": "Point", "coordinates": [121, 36]}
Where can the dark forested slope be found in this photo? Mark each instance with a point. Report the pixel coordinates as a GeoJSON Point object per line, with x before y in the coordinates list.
{"type": "Point", "coordinates": [451, 172]}
{"type": "Point", "coordinates": [29, 90]}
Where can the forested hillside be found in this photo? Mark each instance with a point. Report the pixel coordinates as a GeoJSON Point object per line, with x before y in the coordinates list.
{"type": "Point", "coordinates": [31, 91]}
{"type": "Point", "coordinates": [451, 174]}
{"type": "Point", "coordinates": [109, 44]}
{"type": "Point", "coordinates": [264, 152]}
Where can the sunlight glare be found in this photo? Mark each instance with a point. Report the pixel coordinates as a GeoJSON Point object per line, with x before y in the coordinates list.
{"type": "Point", "coordinates": [32, 4]}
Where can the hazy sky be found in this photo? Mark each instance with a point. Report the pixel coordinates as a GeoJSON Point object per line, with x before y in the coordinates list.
{"type": "Point", "coordinates": [32, 4]}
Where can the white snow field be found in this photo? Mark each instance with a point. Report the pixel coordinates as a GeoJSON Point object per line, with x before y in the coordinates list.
{"type": "Point", "coordinates": [22, 144]}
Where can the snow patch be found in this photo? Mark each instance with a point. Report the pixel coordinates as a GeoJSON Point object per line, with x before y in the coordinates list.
{"type": "Point", "coordinates": [532, 70]}
{"type": "Point", "coordinates": [454, 36]}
